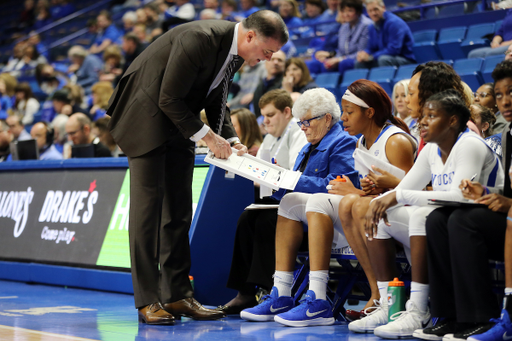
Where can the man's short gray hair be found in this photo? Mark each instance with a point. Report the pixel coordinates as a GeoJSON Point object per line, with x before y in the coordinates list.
{"type": "Point", "coordinates": [131, 16]}
{"type": "Point", "coordinates": [77, 51]}
{"type": "Point", "coordinates": [320, 101]}
{"type": "Point", "coordinates": [379, 2]}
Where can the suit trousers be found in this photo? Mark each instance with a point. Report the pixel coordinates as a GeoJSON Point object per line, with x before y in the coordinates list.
{"type": "Point", "coordinates": [253, 262]}
{"type": "Point", "coordinates": [460, 243]}
{"type": "Point", "coordinates": [160, 217]}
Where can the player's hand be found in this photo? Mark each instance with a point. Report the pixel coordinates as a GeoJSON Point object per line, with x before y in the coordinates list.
{"type": "Point", "coordinates": [376, 212]}
{"type": "Point", "coordinates": [218, 145]}
{"type": "Point", "coordinates": [471, 189]}
{"type": "Point", "coordinates": [495, 202]}
{"type": "Point", "coordinates": [241, 149]}
{"type": "Point", "coordinates": [382, 180]}
{"type": "Point", "coordinates": [342, 188]}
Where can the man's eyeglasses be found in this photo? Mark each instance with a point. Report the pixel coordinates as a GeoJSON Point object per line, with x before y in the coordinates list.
{"type": "Point", "coordinates": [481, 94]}
{"type": "Point", "coordinates": [306, 123]}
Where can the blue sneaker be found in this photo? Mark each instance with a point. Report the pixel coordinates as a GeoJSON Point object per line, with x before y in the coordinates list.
{"type": "Point", "coordinates": [310, 312]}
{"type": "Point", "coordinates": [502, 330]}
{"type": "Point", "coordinates": [270, 307]}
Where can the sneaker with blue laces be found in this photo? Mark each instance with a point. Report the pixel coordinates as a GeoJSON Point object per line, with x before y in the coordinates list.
{"type": "Point", "coordinates": [501, 331]}
{"type": "Point", "coordinates": [271, 306]}
{"type": "Point", "coordinates": [310, 312]}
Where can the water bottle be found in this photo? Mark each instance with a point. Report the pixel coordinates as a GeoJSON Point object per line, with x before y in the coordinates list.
{"type": "Point", "coordinates": [396, 298]}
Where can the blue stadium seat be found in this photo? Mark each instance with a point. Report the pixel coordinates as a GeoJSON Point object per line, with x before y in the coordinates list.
{"type": "Point", "coordinates": [489, 65]}
{"type": "Point", "coordinates": [449, 42]}
{"type": "Point", "coordinates": [429, 12]}
{"type": "Point", "coordinates": [425, 48]}
{"type": "Point", "coordinates": [451, 10]}
{"type": "Point", "coordinates": [384, 77]}
{"type": "Point", "coordinates": [497, 25]}
{"type": "Point", "coordinates": [330, 81]}
{"type": "Point", "coordinates": [404, 72]}
{"type": "Point", "coordinates": [475, 37]}
{"type": "Point", "coordinates": [350, 76]}
{"type": "Point", "coordinates": [469, 71]}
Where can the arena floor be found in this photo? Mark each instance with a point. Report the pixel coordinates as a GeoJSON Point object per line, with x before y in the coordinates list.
{"type": "Point", "coordinates": [31, 312]}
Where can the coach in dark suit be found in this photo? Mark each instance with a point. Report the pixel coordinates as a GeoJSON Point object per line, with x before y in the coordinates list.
{"type": "Point", "coordinates": [155, 120]}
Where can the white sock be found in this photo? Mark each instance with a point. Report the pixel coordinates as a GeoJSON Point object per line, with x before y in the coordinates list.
{"type": "Point", "coordinates": [318, 283]}
{"type": "Point", "coordinates": [508, 291]}
{"type": "Point", "coordinates": [283, 282]}
{"type": "Point", "coordinates": [383, 291]}
{"type": "Point", "coordinates": [419, 295]}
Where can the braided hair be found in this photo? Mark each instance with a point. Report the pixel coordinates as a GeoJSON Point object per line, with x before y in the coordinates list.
{"type": "Point", "coordinates": [452, 103]}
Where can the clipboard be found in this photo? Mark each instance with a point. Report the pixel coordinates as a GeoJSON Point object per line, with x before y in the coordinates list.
{"type": "Point", "coordinates": [464, 204]}
{"type": "Point", "coordinates": [257, 170]}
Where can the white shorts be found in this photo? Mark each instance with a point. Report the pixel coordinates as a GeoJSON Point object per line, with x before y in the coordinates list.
{"type": "Point", "coordinates": [294, 206]}
{"type": "Point", "coordinates": [406, 221]}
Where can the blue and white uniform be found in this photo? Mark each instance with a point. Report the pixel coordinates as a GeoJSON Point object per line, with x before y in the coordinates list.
{"type": "Point", "coordinates": [470, 155]}
{"type": "Point", "coordinates": [295, 206]}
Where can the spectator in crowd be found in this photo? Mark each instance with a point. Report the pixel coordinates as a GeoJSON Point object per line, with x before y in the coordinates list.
{"type": "Point", "coordinates": [275, 72]}
{"type": "Point", "coordinates": [213, 4]}
{"type": "Point", "coordinates": [484, 120]}
{"type": "Point", "coordinates": [247, 129]}
{"type": "Point", "coordinates": [63, 103]}
{"type": "Point", "coordinates": [25, 105]}
{"type": "Point", "coordinates": [43, 133]}
{"type": "Point", "coordinates": [140, 31]}
{"type": "Point", "coordinates": [352, 38]}
{"type": "Point", "coordinates": [10, 85]}
{"type": "Point", "coordinates": [100, 129]}
{"type": "Point", "coordinates": [28, 15]}
{"type": "Point", "coordinates": [78, 129]}
{"type": "Point", "coordinates": [131, 47]}
{"type": "Point", "coordinates": [5, 140]}
{"type": "Point", "coordinates": [207, 14]}
{"type": "Point", "coordinates": [390, 39]}
{"type": "Point", "coordinates": [17, 129]}
{"type": "Point", "coordinates": [34, 39]}
{"type": "Point", "coordinates": [228, 10]}
{"type": "Point", "coordinates": [252, 266]}
{"type": "Point", "coordinates": [153, 20]}
{"type": "Point", "coordinates": [247, 7]}
{"type": "Point", "coordinates": [314, 10]}
{"type": "Point", "coordinates": [327, 154]}
{"type": "Point", "coordinates": [61, 8]}
{"type": "Point", "coordinates": [32, 58]}
{"type": "Point", "coordinates": [15, 62]}
{"type": "Point", "coordinates": [508, 53]}
{"type": "Point", "coordinates": [101, 93]}
{"type": "Point", "coordinates": [112, 67]}
{"type": "Point", "coordinates": [5, 100]}
{"type": "Point", "coordinates": [250, 77]}
{"type": "Point", "coordinates": [48, 79]}
{"type": "Point", "coordinates": [330, 14]}
{"type": "Point", "coordinates": [43, 16]}
{"type": "Point", "coordinates": [142, 17]}
{"type": "Point", "coordinates": [484, 95]}
{"type": "Point", "coordinates": [129, 21]}
{"type": "Point", "coordinates": [399, 98]}
{"type": "Point", "coordinates": [297, 78]}
{"type": "Point", "coordinates": [500, 43]}
{"type": "Point", "coordinates": [108, 33]}
{"type": "Point", "coordinates": [59, 129]}
{"type": "Point", "coordinates": [182, 12]}
{"type": "Point", "coordinates": [85, 66]}
{"type": "Point", "coordinates": [289, 11]}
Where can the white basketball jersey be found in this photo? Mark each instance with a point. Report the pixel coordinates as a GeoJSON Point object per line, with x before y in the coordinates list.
{"type": "Point", "coordinates": [442, 174]}
{"type": "Point", "coordinates": [378, 149]}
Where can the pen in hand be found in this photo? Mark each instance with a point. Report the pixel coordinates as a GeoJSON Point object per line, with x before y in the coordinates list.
{"type": "Point", "coordinates": [470, 180]}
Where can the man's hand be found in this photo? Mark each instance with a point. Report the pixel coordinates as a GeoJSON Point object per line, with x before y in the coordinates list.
{"type": "Point", "coordinates": [218, 145]}
{"type": "Point", "coordinates": [241, 149]}
{"type": "Point", "coordinates": [321, 56]}
{"type": "Point", "coordinates": [362, 56]}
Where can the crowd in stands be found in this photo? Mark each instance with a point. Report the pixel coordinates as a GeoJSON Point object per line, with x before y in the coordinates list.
{"type": "Point", "coordinates": [433, 132]}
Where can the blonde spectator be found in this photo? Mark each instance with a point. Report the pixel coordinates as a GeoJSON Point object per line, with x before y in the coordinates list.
{"type": "Point", "coordinates": [101, 93]}
{"type": "Point", "coordinates": [112, 69]}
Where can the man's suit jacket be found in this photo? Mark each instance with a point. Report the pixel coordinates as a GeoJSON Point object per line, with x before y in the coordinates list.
{"type": "Point", "coordinates": [166, 87]}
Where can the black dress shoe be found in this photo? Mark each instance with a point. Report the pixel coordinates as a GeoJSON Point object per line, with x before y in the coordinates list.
{"type": "Point", "coordinates": [189, 307]}
{"type": "Point", "coordinates": [155, 314]}
{"type": "Point", "coordinates": [236, 309]}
